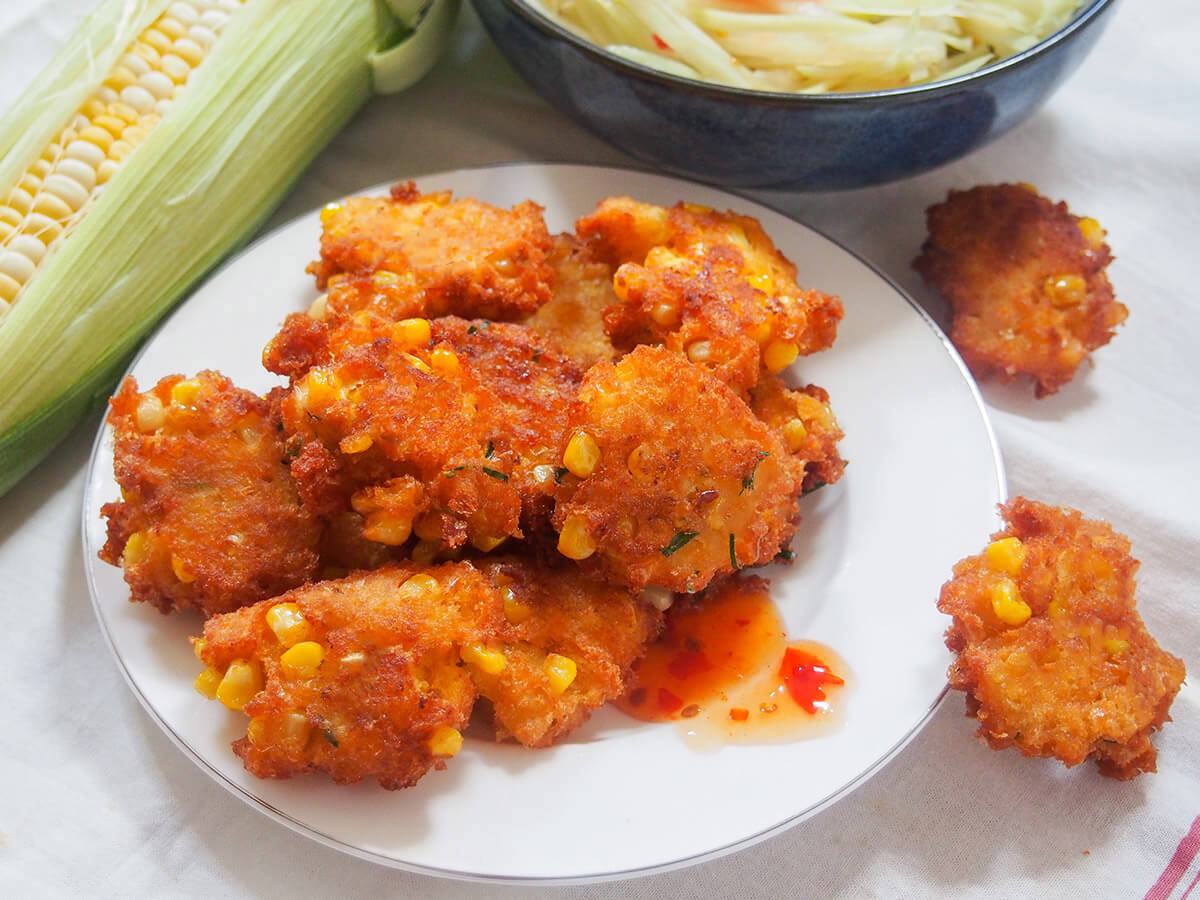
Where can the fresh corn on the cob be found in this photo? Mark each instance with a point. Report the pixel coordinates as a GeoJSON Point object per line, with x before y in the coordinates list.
{"type": "Point", "coordinates": [157, 140]}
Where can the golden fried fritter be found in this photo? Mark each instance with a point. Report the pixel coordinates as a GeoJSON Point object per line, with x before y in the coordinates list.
{"type": "Point", "coordinates": [358, 677]}
{"type": "Point", "coordinates": [375, 675]}
{"type": "Point", "coordinates": [1025, 282]}
{"type": "Point", "coordinates": [708, 284]}
{"type": "Point", "coordinates": [419, 254]}
{"type": "Point", "coordinates": [1051, 650]}
{"type": "Point", "coordinates": [447, 429]}
{"type": "Point", "coordinates": [560, 622]}
{"type": "Point", "coordinates": [805, 421]}
{"type": "Point", "coordinates": [209, 517]}
{"type": "Point", "coordinates": [672, 480]}
{"type": "Point", "coordinates": [573, 320]}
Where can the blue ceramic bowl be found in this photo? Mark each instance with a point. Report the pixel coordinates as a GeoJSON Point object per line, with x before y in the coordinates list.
{"type": "Point", "coordinates": [753, 139]}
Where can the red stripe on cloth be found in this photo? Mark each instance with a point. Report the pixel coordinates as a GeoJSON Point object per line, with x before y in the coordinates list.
{"type": "Point", "coordinates": [1190, 886]}
{"type": "Point", "coordinates": [1179, 864]}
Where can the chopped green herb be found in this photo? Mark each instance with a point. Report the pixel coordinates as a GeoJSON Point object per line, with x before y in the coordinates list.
{"type": "Point", "coordinates": [330, 736]}
{"type": "Point", "coordinates": [449, 473]}
{"type": "Point", "coordinates": [494, 474]}
{"type": "Point", "coordinates": [785, 554]}
{"type": "Point", "coordinates": [491, 448]}
{"type": "Point", "coordinates": [748, 481]}
{"type": "Point", "coordinates": [681, 539]}
{"type": "Point", "coordinates": [816, 486]}
{"type": "Point", "coordinates": [559, 473]}
{"type": "Point", "coordinates": [732, 553]}
{"type": "Point", "coordinates": [477, 328]}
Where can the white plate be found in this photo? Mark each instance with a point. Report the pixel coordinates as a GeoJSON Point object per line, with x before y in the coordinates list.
{"type": "Point", "coordinates": [620, 796]}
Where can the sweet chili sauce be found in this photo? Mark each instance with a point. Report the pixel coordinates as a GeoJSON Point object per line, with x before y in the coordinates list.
{"type": "Point", "coordinates": [725, 670]}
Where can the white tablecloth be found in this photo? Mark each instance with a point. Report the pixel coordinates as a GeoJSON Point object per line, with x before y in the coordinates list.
{"type": "Point", "coordinates": [93, 796]}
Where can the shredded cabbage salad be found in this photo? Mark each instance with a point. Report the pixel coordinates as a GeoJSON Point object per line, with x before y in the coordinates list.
{"type": "Point", "coordinates": [812, 46]}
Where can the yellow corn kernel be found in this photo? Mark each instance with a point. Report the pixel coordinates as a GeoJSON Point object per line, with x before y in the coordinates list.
{"type": "Point", "coordinates": [288, 623]}
{"type": "Point", "coordinates": [425, 552]}
{"type": "Point", "coordinates": [185, 393]}
{"type": "Point", "coordinates": [323, 387]}
{"type": "Point", "coordinates": [150, 413]}
{"type": "Point", "coordinates": [1115, 646]}
{"type": "Point", "coordinates": [355, 443]}
{"type": "Point", "coordinates": [639, 462]}
{"type": "Point", "coordinates": [241, 682]}
{"type": "Point", "coordinates": [1092, 232]}
{"type": "Point", "coordinates": [329, 211]}
{"type": "Point", "coordinates": [383, 527]}
{"type": "Point", "coordinates": [665, 313]}
{"type": "Point", "coordinates": [487, 543]}
{"type": "Point", "coordinates": [1032, 188]}
{"type": "Point", "coordinates": [181, 569]}
{"type": "Point", "coordinates": [699, 351]}
{"type": "Point", "coordinates": [302, 660]}
{"type": "Point", "coordinates": [443, 360]}
{"type": "Point", "coordinates": [1056, 609]}
{"type": "Point", "coordinates": [294, 730]}
{"type": "Point", "coordinates": [484, 658]}
{"type": "Point", "coordinates": [414, 332]}
{"type": "Point", "coordinates": [1065, 290]}
{"type": "Point", "coordinates": [137, 548]}
{"type": "Point", "coordinates": [421, 583]}
{"type": "Point", "coordinates": [763, 280]}
{"type": "Point", "coordinates": [198, 645]}
{"type": "Point", "coordinates": [779, 355]}
{"type": "Point", "coordinates": [1007, 603]}
{"type": "Point", "coordinates": [582, 454]}
{"type": "Point", "coordinates": [1005, 556]}
{"type": "Point", "coordinates": [417, 363]}
{"type": "Point", "coordinates": [256, 730]}
{"type": "Point", "coordinates": [207, 683]}
{"type": "Point", "coordinates": [445, 741]}
{"type": "Point", "coordinates": [762, 333]}
{"type": "Point", "coordinates": [795, 434]}
{"type": "Point", "coordinates": [560, 670]}
{"type": "Point", "coordinates": [515, 610]}
{"type": "Point", "coordinates": [574, 541]}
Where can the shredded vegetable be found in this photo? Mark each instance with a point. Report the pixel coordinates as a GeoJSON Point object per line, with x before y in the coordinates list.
{"type": "Point", "coordinates": [812, 46]}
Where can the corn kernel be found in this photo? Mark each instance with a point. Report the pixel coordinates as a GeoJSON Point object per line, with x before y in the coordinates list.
{"type": "Point", "coordinates": [421, 583]}
{"type": "Point", "coordinates": [417, 363]}
{"type": "Point", "coordinates": [137, 548]}
{"type": "Point", "coordinates": [181, 569]}
{"type": "Point", "coordinates": [1065, 290]}
{"type": "Point", "coordinates": [659, 597]}
{"type": "Point", "coordinates": [150, 413]}
{"type": "Point", "coordinates": [699, 351]}
{"type": "Point", "coordinates": [445, 741]}
{"type": "Point", "coordinates": [185, 393]}
{"type": "Point", "coordinates": [294, 730]}
{"type": "Point", "coordinates": [779, 355]}
{"type": "Point", "coordinates": [560, 670]}
{"type": "Point", "coordinates": [355, 443]}
{"type": "Point", "coordinates": [207, 683]}
{"type": "Point", "coordinates": [425, 552]}
{"type": "Point", "coordinates": [582, 454]}
{"type": "Point", "coordinates": [1115, 646]}
{"type": "Point", "coordinates": [443, 360]}
{"type": "Point", "coordinates": [414, 332]}
{"type": "Point", "coordinates": [665, 314]}
{"type": "Point", "coordinates": [1005, 556]}
{"type": "Point", "coordinates": [487, 543]}
{"type": "Point", "coordinates": [795, 434]}
{"type": "Point", "coordinates": [639, 462]}
{"type": "Point", "coordinates": [198, 645]}
{"type": "Point", "coordinates": [322, 388]}
{"type": "Point", "coordinates": [762, 333]}
{"type": "Point", "coordinates": [288, 623]}
{"type": "Point", "coordinates": [302, 660]}
{"type": "Point", "coordinates": [1056, 609]}
{"type": "Point", "coordinates": [515, 610]}
{"type": "Point", "coordinates": [574, 541]}
{"type": "Point", "coordinates": [241, 682]}
{"type": "Point", "coordinates": [1092, 232]}
{"type": "Point", "coordinates": [386, 528]}
{"type": "Point", "coordinates": [329, 211]}
{"type": "Point", "coordinates": [256, 730]}
{"type": "Point", "coordinates": [1007, 603]}
{"type": "Point", "coordinates": [484, 658]}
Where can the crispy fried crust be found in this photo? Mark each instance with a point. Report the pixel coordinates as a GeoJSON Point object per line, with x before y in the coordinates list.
{"type": "Point", "coordinates": [602, 629]}
{"type": "Point", "coordinates": [398, 664]}
{"type": "Point", "coordinates": [454, 439]}
{"type": "Point", "coordinates": [1025, 282]}
{"type": "Point", "coordinates": [807, 425]}
{"type": "Point", "coordinates": [1082, 678]}
{"type": "Point", "coordinates": [708, 284]}
{"type": "Point", "coordinates": [573, 320]}
{"type": "Point", "coordinates": [419, 254]}
{"type": "Point", "coordinates": [210, 518]}
{"type": "Point", "coordinates": [684, 468]}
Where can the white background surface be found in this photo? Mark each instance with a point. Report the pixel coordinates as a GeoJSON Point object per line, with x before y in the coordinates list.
{"type": "Point", "coordinates": [94, 797]}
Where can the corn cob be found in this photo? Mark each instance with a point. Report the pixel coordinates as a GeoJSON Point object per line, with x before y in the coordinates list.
{"type": "Point", "coordinates": [158, 140]}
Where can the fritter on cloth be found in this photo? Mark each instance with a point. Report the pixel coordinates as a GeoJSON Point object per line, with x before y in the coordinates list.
{"type": "Point", "coordinates": [708, 284]}
{"type": "Point", "coordinates": [209, 516]}
{"type": "Point", "coordinates": [1052, 653]}
{"type": "Point", "coordinates": [669, 478]}
{"type": "Point", "coordinates": [1025, 280]}
{"type": "Point", "coordinates": [414, 254]}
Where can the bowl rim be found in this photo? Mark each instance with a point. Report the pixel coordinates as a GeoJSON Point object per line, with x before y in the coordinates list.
{"type": "Point", "coordinates": [1085, 14]}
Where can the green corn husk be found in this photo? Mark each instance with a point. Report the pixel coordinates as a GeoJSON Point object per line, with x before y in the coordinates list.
{"type": "Point", "coordinates": [281, 80]}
